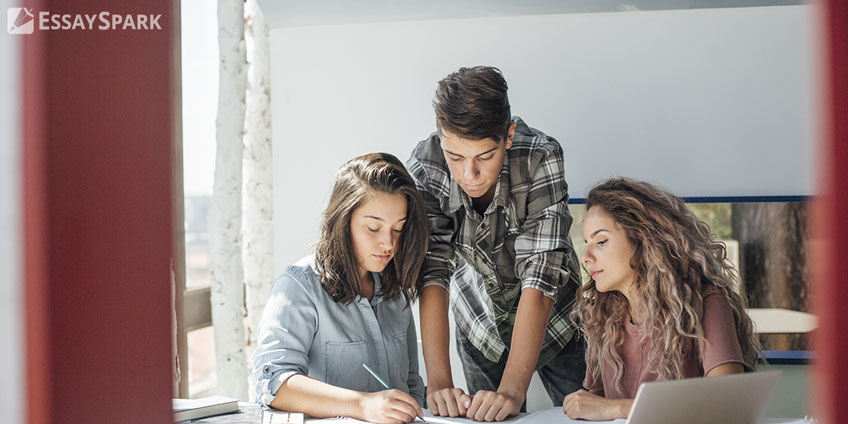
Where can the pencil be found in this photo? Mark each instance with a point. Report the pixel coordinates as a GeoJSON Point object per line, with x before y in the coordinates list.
{"type": "Point", "coordinates": [383, 382]}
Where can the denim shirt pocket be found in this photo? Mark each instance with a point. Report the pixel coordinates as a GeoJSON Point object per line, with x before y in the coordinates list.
{"type": "Point", "coordinates": [399, 359]}
{"type": "Point", "coordinates": [344, 364]}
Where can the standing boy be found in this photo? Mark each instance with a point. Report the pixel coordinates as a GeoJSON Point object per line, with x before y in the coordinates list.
{"type": "Point", "coordinates": [496, 197]}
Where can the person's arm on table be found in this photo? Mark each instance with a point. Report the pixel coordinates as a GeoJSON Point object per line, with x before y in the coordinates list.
{"type": "Point", "coordinates": [286, 332]}
{"type": "Point", "coordinates": [590, 402]}
{"type": "Point", "coordinates": [587, 405]}
{"type": "Point", "coordinates": [726, 369]}
{"type": "Point", "coordinates": [534, 309]}
{"type": "Point", "coordinates": [541, 249]}
{"type": "Point", "coordinates": [593, 406]}
{"type": "Point", "coordinates": [442, 398]}
{"type": "Point", "coordinates": [321, 400]}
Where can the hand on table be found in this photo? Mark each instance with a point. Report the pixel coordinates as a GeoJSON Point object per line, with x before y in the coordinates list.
{"type": "Point", "coordinates": [588, 406]}
{"type": "Point", "coordinates": [493, 406]}
{"type": "Point", "coordinates": [390, 407]}
{"type": "Point", "coordinates": [449, 402]}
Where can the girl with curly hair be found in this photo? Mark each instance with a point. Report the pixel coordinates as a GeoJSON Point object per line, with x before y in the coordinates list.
{"type": "Point", "coordinates": [348, 305]}
{"type": "Point", "coordinates": [660, 304]}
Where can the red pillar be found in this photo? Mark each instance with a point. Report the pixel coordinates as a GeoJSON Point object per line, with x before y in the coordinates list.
{"type": "Point", "coordinates": [831, 224]}
{"type": "Point", "coordinates": [98, 130]}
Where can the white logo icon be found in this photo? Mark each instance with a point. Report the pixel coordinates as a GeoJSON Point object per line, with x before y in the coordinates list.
{"type": "Point", "coordinates": [20, 20]}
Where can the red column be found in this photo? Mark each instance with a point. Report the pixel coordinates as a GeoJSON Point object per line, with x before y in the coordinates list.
{"type": "Point", "coordinates": [831, 225]}
{"type": "Point", "coordinates": [98, 116]}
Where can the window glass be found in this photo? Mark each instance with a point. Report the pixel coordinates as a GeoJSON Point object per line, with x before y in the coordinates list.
{"type": "Point", "coordinates": [767, 242]}
{"type": "Point", "coordinates": [201, 362]}
{"type": "Point", "coordinates": [199, 46]}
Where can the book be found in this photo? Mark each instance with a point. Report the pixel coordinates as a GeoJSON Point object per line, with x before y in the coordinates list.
{"type": "Point", "coordinates": [189, 409]}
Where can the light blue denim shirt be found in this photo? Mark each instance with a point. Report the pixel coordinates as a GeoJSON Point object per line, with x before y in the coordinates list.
{"type": "Point", "coordinates": [303, 331]}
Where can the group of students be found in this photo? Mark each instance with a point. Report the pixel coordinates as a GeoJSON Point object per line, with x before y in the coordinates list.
{"type": "Point", "coordinates": [478, 220]}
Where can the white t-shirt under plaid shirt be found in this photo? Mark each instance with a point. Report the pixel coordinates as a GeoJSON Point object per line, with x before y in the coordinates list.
{"type": "Point", "coordinates": [521, 241]}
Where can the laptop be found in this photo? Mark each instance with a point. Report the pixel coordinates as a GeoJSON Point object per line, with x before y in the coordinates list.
{"type": "Point", "coordinates": [728, 399]}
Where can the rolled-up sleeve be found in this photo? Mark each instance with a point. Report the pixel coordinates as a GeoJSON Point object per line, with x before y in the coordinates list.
{"type": "Point", "coordinates": [439, 263]}
{"type": "Point", "coordinates": [286, 332]}
{"type": "Point", "coordinates": [542, 246]}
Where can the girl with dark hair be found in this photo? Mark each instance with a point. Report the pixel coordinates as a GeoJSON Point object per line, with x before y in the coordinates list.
{"type": "Point", "coordinates": [348, 305]}
{"type": "Point", "coordinates": [660, 304]}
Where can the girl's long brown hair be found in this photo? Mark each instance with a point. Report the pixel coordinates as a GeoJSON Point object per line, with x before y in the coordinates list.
{"type": "Point", "coordinates": [356, 181]}
{"type": "Point", "coordinates": [675, 259]}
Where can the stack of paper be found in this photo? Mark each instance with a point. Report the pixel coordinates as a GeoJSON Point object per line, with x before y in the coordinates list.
{"type": "Point", "coordinates": [189, 409]}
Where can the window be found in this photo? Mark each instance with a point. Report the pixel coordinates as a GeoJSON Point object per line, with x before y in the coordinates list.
{"type": "Point", "coordinates": [767, 241]}
{"type": "Point", "coordinates": [199, 38]}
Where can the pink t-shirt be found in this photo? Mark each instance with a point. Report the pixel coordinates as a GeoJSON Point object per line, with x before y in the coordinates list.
{"type": "Point", "coordinates": [722, 347]}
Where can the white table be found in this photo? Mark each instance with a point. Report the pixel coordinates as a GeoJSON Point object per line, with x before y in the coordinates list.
{"type": "Point", "coordinates": [781, 321]}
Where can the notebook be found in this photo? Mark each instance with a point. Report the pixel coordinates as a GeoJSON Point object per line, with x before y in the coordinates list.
{"type": "Point", "coordinates": [729, 399]}
{"type": "Point", "coordinates": [189, 409]}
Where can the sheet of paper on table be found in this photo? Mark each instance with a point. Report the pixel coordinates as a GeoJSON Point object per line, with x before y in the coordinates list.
{"type": "Point", "coordinates": [546, 416]}
{"type": "Point", "coordinates": [556, 416]}
{"type": "Point", "coordinates": [431, 419]}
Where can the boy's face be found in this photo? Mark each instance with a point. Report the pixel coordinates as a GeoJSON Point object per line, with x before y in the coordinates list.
{"type": "Point", "coordinates": [475, 164]}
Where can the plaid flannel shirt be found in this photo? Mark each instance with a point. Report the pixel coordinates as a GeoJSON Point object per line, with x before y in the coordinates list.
{"type": "Point", "coordinates": [521, 241]}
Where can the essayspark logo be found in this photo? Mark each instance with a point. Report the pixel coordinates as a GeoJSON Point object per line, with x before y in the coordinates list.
{"type": "Point", "coordinates": [20, 20]}
{"type": "Point", "coordinates": [24, 21]}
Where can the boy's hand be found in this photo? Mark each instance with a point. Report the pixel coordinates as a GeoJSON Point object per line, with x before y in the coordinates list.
{"type": "Point", "coordinates": [449, 402]}
{"type": "Point", "coordinates": [493, 406]}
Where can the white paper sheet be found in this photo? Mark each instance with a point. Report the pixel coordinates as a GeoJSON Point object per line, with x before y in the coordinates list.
{"type": "Point", "coordinates": [545, 416]}
{"type": "Point", "coordinates": [431, 419]}
{"type": "Point", "coordinates": [556, 416]}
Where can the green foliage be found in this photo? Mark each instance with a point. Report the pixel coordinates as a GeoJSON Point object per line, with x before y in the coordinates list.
{"type": "Point", "coordinates": [576, 233]}
{"type": "Point", "coordinates": [716, 215]}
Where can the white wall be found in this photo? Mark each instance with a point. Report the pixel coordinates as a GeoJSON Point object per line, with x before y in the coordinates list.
{"type": "Point", "coordinates": [707, 102]}
{"type": "Point", "coordinates": [12, 388]}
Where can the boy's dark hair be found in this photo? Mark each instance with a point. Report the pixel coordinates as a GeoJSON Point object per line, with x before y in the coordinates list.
{"type": "Point", "coordinates": [472, 103]}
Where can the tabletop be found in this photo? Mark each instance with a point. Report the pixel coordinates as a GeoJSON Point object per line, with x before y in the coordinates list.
{"type": "Point", "coordinates": [251, 413]}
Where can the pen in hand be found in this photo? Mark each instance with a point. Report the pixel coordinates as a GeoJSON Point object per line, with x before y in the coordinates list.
{"type": "Point", "coordinates": [386, 385]}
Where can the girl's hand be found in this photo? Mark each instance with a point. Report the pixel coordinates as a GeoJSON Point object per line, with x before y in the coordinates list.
{"type": "Point", "coordinates": [388, 406]}
{"type": "Point", "coordinates": [588, 406]}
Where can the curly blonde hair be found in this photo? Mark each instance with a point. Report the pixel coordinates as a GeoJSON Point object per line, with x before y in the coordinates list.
{"type": "Point", "coordinates": [675, 260]}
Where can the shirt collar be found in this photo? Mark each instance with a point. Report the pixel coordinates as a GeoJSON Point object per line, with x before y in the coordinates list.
{"type": "Point", "coordinates": [456, 199]}
{"type": "Point", "coordinates": [376, 299]}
